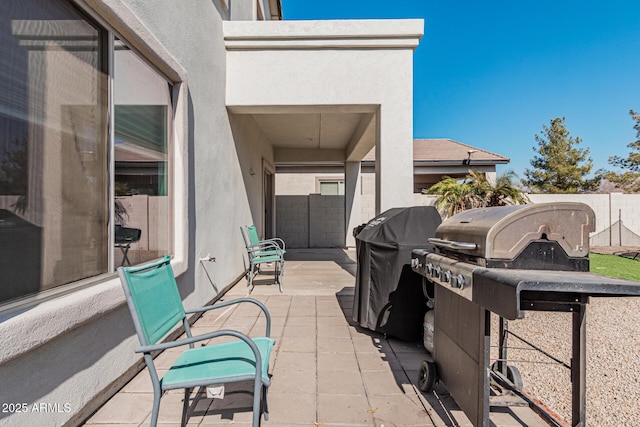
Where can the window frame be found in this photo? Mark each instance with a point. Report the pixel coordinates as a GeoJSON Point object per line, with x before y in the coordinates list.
{"type": "Point", "coordinates": [338, 180]}
{"type": "Point", "coordinates": [171, 152]}
{"type": "Point", "coordinates": [116, 20]}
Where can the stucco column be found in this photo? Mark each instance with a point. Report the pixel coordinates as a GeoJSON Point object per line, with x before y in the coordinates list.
{"type": "Point", "coordinates": [491, 177]}
{"type": "Point", "coordinates": [352, 200]}
{"type": "Point", "coordinates": [394, 158]}
{"type": "Point", "coordinates": [243, 10]}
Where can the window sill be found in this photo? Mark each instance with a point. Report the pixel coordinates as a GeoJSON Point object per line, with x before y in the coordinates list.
{"type": "Point", "coordinates": [37, 324]}
{"type": "Point", "coordinates": [34, 326]}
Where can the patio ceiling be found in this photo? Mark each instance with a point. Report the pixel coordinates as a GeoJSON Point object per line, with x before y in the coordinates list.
{"type": "Point", "coordinates": [316, 134]}
{"type": "Point", "coordinates": [320, 130]}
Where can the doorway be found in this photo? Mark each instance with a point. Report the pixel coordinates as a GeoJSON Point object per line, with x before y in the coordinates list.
{"type": "Point", "coordinates": [268, 183]}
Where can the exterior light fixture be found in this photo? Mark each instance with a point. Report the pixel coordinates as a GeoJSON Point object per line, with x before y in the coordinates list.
{"type": "Point", "coordinates": [467, 161]}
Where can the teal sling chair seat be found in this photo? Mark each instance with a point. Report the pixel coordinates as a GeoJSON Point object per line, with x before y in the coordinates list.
{"type": "Point", "coordinates": [156, 308]}
{"type": "Point", "coordinates": [270, 251]}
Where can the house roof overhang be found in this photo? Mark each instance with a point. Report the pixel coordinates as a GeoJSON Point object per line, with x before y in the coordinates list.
{"type": "Point", "coordinates": [291, 77]}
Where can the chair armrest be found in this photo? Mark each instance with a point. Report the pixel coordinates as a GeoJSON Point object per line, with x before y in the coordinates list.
{"type": "Point", "coordinates": [187, 341]}
{"type": "Point", "coordinates": [268, 246]}
{"type": "Point", "coordinates": [237, 301]}
{"type": "Point", "coordinates": [209, 335]}
{"type": "Point", "coordinates": [276, 240]}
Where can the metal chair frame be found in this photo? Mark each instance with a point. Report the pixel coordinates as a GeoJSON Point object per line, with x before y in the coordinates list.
{"type": "Point", "coordinates": [265, 252]}
{"type": "Point", "coordinates": [156, 309]}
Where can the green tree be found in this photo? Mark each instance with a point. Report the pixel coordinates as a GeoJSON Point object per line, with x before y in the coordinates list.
{"type": "Point", "coordinates": [476, 191]}
{"type": "Point", "coordinates": [560, 167]}
{"type": "Point", "coordinates": [629, 179]}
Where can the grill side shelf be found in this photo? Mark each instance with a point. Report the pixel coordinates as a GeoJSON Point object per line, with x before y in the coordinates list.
{"type": "Point", "coordinates": [509, 293]}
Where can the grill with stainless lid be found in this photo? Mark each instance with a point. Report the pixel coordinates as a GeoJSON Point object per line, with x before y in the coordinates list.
{"type": "Point", "coordinates": [507, 260]}
{"type": "Point", "coordinates": [550, 236]}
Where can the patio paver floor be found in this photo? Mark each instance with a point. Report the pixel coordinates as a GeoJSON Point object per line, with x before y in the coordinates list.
{"type": "Point", "coordinates": [326, 371]}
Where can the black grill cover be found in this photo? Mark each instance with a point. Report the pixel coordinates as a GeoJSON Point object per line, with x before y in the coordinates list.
{"type": "Point", "coordinates": [388, 295]}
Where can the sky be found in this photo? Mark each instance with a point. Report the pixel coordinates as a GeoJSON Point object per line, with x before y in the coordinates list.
{"type": "Point", "coordinates": [492, 73]}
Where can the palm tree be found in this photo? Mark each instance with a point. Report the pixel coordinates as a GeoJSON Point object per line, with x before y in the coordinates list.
{"type": "Point", "coordinates": [454, 196]}
{"type": "Point", "coordinates": [476, 191]}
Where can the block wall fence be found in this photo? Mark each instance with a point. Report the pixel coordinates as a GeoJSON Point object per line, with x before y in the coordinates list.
{"type": "Point", "coordinates": [316, 221]}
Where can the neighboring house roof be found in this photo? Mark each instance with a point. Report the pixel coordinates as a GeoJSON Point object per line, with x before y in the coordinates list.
{"type": "Point", "coordinates": [442, 151]}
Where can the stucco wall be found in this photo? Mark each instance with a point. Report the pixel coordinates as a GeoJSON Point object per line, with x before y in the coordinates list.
{"type": "Point", "coordinates": [73, 347]}
{"type": "Point", "coordinates": [295, 184]}
{"type": "Point", "coordinates": [70, 349]}
{"type": "Point", "coordinates": [253, 151]}
{"type": "Point", "coordinates": [294, 58]}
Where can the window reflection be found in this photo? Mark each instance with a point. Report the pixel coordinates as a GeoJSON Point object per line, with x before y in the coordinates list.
{"type": "Point", "coordinates": [53, 147]}
{"type": "Point", "coordinates": [55, 180]}
{"type": "Point", "coordinates": [142, 111]}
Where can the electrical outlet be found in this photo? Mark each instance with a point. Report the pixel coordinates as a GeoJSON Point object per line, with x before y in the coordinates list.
{"type": "Point", "coordinates": [208, 257]}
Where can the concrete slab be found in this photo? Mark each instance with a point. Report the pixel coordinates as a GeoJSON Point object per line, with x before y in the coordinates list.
{"type": "Point", "coordinates": [344, 409]}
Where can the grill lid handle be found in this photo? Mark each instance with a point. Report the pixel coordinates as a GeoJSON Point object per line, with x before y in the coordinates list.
{"type": "Point", "coordinates": [453, 245]}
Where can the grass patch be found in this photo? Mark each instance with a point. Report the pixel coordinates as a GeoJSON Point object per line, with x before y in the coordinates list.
{"type": "Point", "coordinates": [615, 266]}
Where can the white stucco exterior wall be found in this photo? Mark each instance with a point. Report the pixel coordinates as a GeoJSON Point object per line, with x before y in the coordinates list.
{"type": "Point", "coordinates": [353, 199]}
{"type": "Point", "coordinates": [334, 64]}
{"type": "Point", "coordinates": [71, 348]}
{"type": "Point", "coordinates": [253, 149]}
{"type": "Point", "coordinates": [296, 184]}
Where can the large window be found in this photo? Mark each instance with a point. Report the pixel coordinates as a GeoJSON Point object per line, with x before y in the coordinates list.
{"type": "Point", "coordinates": [142, 111]}
{"type": "Point", "coordinates": [58, 170]}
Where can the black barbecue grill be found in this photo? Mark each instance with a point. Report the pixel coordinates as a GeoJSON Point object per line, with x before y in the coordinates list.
{"type": "Point", "coordinates": [507, 260]}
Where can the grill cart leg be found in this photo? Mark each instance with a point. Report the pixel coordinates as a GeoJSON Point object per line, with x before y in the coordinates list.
{"type": "Point", "coordinates": [579, 367]}
{"type": "Point", "coordinates": [502, 347]}
{"type": "Point", "coordinates": [509, 372]}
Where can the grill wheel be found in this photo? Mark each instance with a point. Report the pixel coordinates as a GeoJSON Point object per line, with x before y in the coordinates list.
{"type": "Point", "coordinates": [513, 375]}
{"type": "Point", "coordinates": [427, 378]}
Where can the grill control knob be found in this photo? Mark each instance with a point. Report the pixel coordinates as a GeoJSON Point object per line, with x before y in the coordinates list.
{"type": "Point", "coordinates": [458, 281]}
{"type": "Point", "coordinates": [445, 276]}
{"type": "Point", "coordinates": [435, 271]}
{"type": "Point", "coordinates": [415, 263]}
{"type": "Point", "coordinates": [461, 281]}
{"type": "Point", "coordinates": [428, 269]}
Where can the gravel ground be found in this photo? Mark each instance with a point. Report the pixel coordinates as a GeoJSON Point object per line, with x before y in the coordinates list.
{"type": "Point", "coordinates": [613, 360]}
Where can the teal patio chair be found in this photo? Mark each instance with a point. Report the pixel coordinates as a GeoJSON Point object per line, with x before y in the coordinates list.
{"type": "Point", "coordinates": [265, 252]}
{"type": "Point", "coordinates": [156, 308]}
{"type": "Point", "coordinates": [255, 240]}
